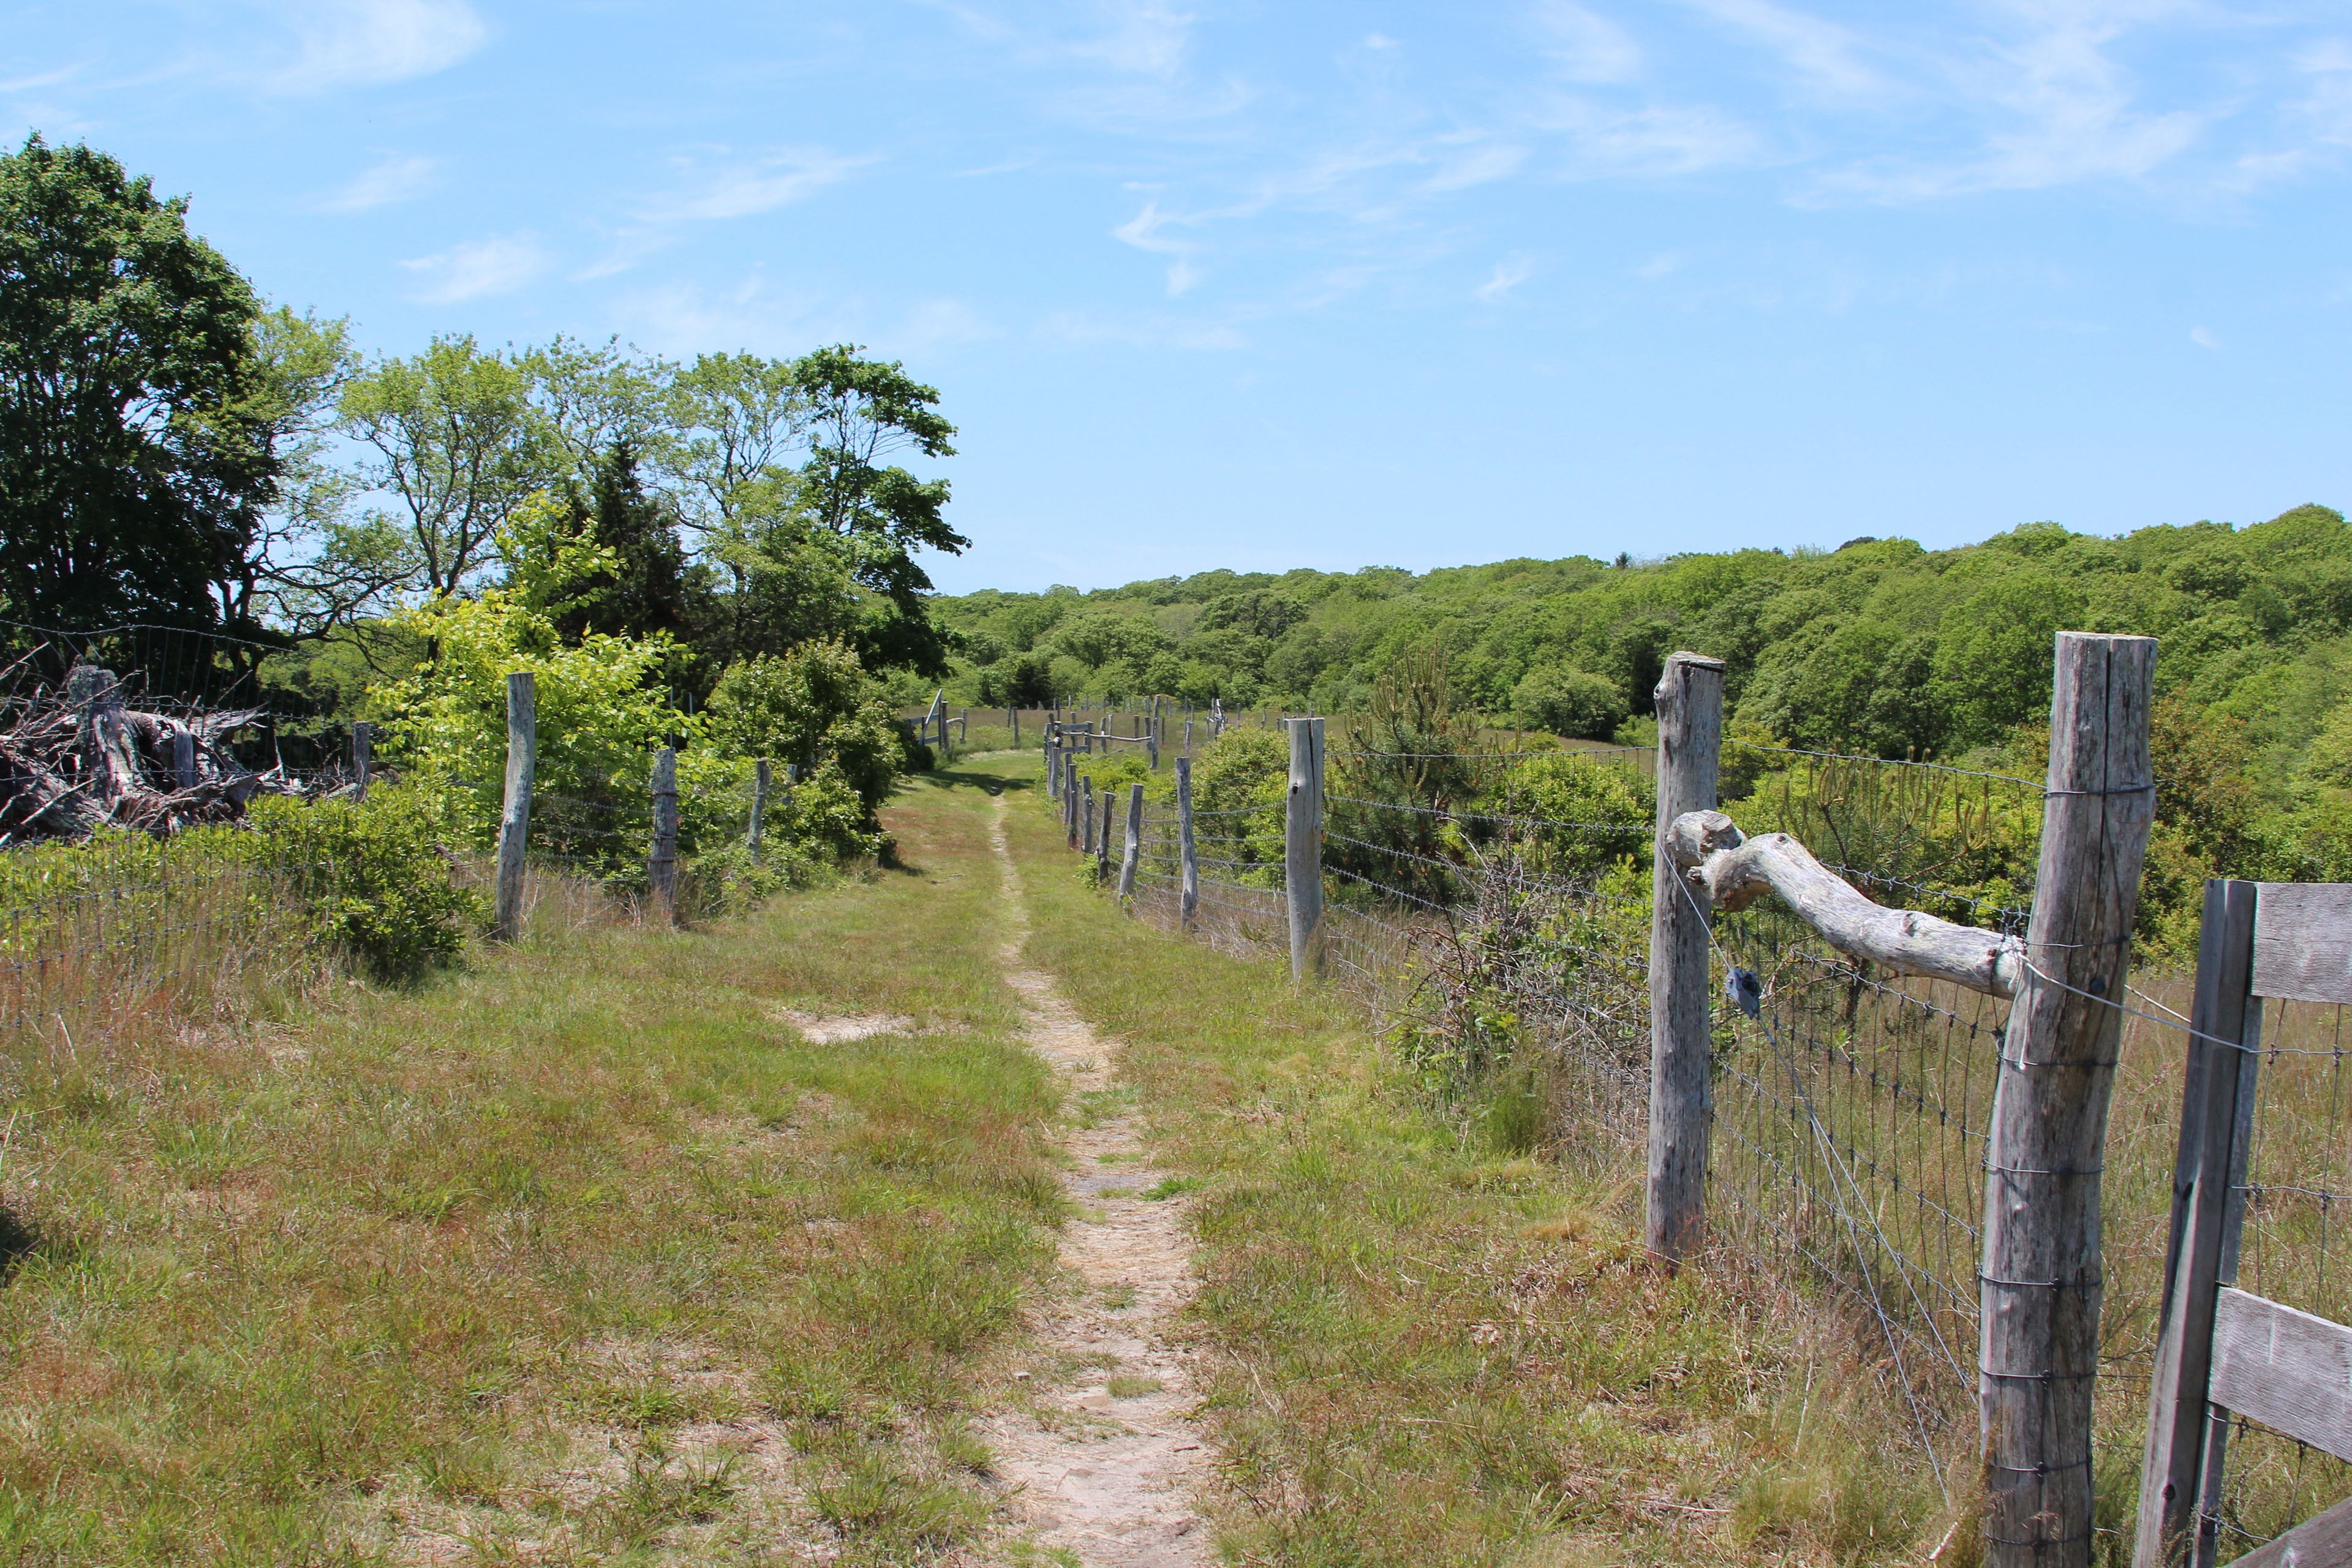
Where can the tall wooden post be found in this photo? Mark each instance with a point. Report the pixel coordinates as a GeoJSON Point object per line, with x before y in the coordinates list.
{"type": "Point", "coordinates": [1188, 897]}
{"type": "Point", "coordinates": [762, 776]}
{"type": "Point", "coordinates": [1302, 849]}
{"type": "Point", "coordinates": [1133, 849]}
{"type": "Point", "coordinates": [1013, 723]}
{"type": "Point", "coordinates": [1086, 817]}
{"type": "Point", "coordinates": [1682, 1110]}
{"type": "Point", "coordinates": [183, 760]}
{"type": "Point", "coordinates": [2184, 1442]}
{"type": "Point", "coordinates": [362, 757]}
{"type": "Point", "coordinates": [1102, 839]}
{"type": "Point", "coordinates": [2041, 1286]}
{"type": "Point", "coordinates": [514, 817]}
{"type": "Point", "coordinates": [1070, 804]}
{"type": "Point", "coordinates": [661, 866]}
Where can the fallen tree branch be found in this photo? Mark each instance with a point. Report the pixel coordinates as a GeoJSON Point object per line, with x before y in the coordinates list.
{"type": "Point", "coordinates": [1732, 871]}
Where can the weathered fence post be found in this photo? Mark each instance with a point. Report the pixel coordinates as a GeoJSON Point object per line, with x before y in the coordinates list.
{"type": "Point", "coordinates": [183, 760]}
{"type": "Point", "coordinates": [362, 757]}
{"type": "Point", "coordinates": [1302, 849]}
{"type": "Point", "coordinates": [2184, 1442]}
{"type": "Point", "coordinates": [514, 818]}
{"type": "Point", "coordinates": [762, 776]}
{"type": "Point", "coordinates": [1102, 839]}
{"type": "Point", "coordinates": [1087, 818]}
{"type": "Point", "coordinates": [1188, 897]}
{"type": "Point", "coordinates": [1690, 745]}
{"type": "Point", "coordinates": [1133, 850]}
{"type": "Point", "coordinates": [2040, 1289]}
{"type": "Point", "coordinates": [661, 867]}
{"type": "Point", "coordinates": [1013, 723]}
{"type": "Point", "coordinates": [1070, 806]}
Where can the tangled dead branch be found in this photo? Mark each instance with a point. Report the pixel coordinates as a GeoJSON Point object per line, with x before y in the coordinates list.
{"type": "Point", "coordinates": [77, 757]}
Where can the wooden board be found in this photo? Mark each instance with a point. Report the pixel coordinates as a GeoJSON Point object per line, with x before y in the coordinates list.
{"type": "Point", "coordinates": [2302, 942]}
{"type": "Point", "coordinates": [2287, 1369]}
{"type": "Point", "coordinates": [2323, 1541]}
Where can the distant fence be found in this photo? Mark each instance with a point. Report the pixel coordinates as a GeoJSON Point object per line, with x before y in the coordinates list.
{"type": "Point", "coordinates": [1977, 1164]}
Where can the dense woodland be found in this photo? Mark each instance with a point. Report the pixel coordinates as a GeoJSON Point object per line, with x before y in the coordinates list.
{"type": "Point", "coordinates": [1879, 647]}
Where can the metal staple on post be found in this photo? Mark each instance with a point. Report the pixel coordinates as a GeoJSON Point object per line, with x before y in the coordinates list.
{"type": "Point", "coordinates": [1133, 849]}
{"type": "Point", "coordinates": [1690, 739]}
{"type": "Point", "coordinates": [1188, 897]}
{"type": "Point", "coordinates": [514, 815]}
{"type": "Point", "coordinates": [661, 866]}
{"type": "Point", "coordinates": [761, 777]}
{"type": "Point", "coordinates": [2039, 1284]}
{"type": "Point", "coordinates": [1302, 856]}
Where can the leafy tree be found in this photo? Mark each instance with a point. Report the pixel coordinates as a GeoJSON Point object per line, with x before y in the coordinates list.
{"type": "Point", "coordinates": [134, 468]}
{"type": "Point", "coordinates": [454, 436]}
{"type": "Point", "coordinates": [1568, 701]}
{"type": "Point", "coordinates": [594, 397]}
{"type": "Point", "coordinates": [816, 707]}
{"type": "Point", "coordinates": [861, 411]}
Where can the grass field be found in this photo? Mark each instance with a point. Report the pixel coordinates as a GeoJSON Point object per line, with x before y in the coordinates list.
{"type": "Point", "coordinates": [589, 1255]}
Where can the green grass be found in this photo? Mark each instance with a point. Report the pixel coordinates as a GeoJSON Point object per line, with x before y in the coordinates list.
{"type": "Point", "coordinates": [1428, 1351]}
{"type": "Point", "coordinates": [582, 1255]}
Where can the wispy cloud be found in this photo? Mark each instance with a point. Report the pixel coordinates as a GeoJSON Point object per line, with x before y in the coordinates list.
{"type": "Point", "coordinates": [478, 269]}
{"type": "Point", "coordinates": [1826, 55]}
{"type": "Point", "coordinates": [1584, 45]}
{"type": "Point", "coordinates": [2203, 338]}
{"type": "Point", "coordinates": [1508, 274]}
{"type": "Point", "coordinates": [398, 177]}
{"type": "Point", "coordinates": [364, 43]}
{"type": "Point", "coordinates": [1657, 142]}
{"type": "Point", "coordinates": [746, 187]}
{"type": "Point", "coordinates": [1145, 39]}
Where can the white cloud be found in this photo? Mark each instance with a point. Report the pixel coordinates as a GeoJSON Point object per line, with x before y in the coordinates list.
{"type": "Point", "coordinates": [1379, 41]}
{"type": "Point", "coordinates": [1143, 39]}
{"type": "Point", "coordinates": [364, 43]}
{"type": "Point", "coordinates": [2203, 338]}
{"type": "Point", "coordinates": [398, 177]}
{"type": "Point", "coordinates": [1654, 142]}
{"type": "Point", "coordinates": [1586, 46]}
{"type": "Point", "coordinates": [757, 186]}
{"type": "Point", "coordinates": [1508, 274]}
{"type": "Point", "coordinates": [1183, 273]}
{"type": "Point", "coordinates": [1475, 165]}
{"type": "Point", "coordinates": [1822, 52]}
{"type": "Point", "coordinates": [1142, 231]}
{"type": "Point", "coordinates": [479, 268]}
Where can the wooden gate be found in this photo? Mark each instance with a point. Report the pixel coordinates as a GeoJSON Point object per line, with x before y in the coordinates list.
{"type": "Point", "coordinates": [2225, 1352]}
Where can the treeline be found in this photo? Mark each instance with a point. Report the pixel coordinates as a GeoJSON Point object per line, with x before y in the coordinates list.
{"type": "Point", "coordinates": [1879, 647]}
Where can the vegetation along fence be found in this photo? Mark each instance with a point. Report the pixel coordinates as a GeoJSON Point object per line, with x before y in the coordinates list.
{"type": "Point", "coordinates": [1875, 1032]}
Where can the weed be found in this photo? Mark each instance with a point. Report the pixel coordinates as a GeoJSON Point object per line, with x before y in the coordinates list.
{"type": "Point", "coordinates": [1134, 1388]}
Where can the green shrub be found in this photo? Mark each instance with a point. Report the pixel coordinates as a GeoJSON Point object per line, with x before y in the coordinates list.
{"type": "Point", "coordinates": [374, 877]}
{"type": "Point", "coordinates": [1568, 701]}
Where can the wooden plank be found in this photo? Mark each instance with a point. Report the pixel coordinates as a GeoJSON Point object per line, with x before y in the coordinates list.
{"type": "Point", "coordinates": [2323, 1541]}
{"type": "Point", "coordinates": [2288, 1368]}
{"type": "Point", "coordinates": [2040, 1283]}
{"type": "Point", "coordinates": [2302, 942]}
{"type": "Point", "coordinates": [1682, 1109]}
{"type": "Point", "coordinates": [2216, 1081]}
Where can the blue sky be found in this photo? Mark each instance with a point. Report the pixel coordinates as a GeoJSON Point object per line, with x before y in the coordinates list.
{"type": "Point", "coordinates": [1264, 285]}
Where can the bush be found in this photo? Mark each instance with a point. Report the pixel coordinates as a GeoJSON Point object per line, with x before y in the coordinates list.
{"type": "Point", "coordinates": [374, 877]}
{"type": "Point", "coordinates": [1568, 701]}
{"type": "Point", "coordinates": [813, 706]}
{"type": "Point", "coordinates": [1595, 813]}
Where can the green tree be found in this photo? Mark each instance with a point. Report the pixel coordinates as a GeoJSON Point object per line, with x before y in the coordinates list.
{"type": "Point", "coordinates": [1568, 701]}
{"type": "Point", "coordinates": [816, 707]}
{"type": "Point", "coordinates": [861, 411]}
{"type": "Point", "coordinates": [133, 469]}
{"type": "Point", "coordinates": [453, 435]}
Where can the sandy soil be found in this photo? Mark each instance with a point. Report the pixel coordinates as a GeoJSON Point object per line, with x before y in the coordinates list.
{"type": "Point", "coordinates": [1106, 1477]}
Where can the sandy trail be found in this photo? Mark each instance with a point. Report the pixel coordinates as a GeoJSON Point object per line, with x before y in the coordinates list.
{"type": "Point", "coordinates": [1107, 1479]}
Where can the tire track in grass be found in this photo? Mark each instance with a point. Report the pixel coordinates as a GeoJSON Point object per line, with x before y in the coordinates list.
{"type": "Point", "coordinates": [1106, 1460]}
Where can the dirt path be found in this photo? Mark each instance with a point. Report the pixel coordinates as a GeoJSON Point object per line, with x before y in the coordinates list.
{"type": "Point", "coordinates": [1104, 1457]}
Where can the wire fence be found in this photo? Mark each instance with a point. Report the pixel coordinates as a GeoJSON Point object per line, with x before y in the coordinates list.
{"type": "Point", "coordinates": [1489, 923]}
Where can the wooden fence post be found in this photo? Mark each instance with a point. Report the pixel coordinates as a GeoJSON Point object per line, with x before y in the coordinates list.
{"type": "Point", "coordinates": [1013, 723]}
{"type": "Point", "coordinates": [1102, 839]}
{"type": "Point", "coordinates": [762, 776]}
{"type": "Point", "coordinates": [183, 760]}
{"type": "Point", "coordinates": [1070, 804]}
{"type": "Point", "coordinates": [1302, 849]}
{"type": "Point", "coordinates": [1133, 850]}
{"type": "Point", "coordinates": [1682, 1109]}
{"type": "Point", "coordinates": [2040, 1288]}
{"type": "Point", "coordinates": [362, 757]}
{"type": "Point", "coordinates": [661, 866]}
{"type": "Point", "coordinates": [2184, 1444]}
{"type": "Point", "coordinates": [1087, 818]}
{"type": "Point", "coordinates": [1188, 897]}
{"type": "Point", "coordinates": [514, 818]}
